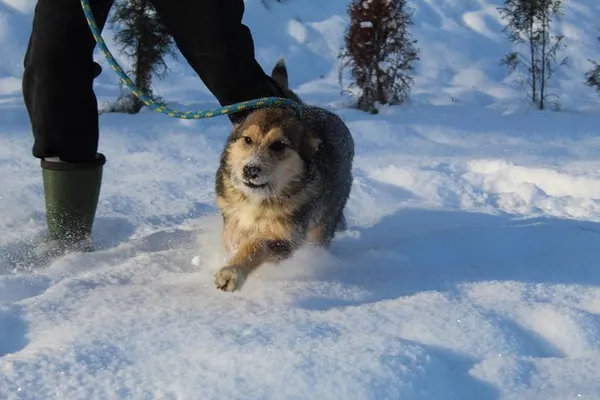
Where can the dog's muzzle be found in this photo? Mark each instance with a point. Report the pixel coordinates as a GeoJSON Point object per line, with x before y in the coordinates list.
{"type": "Point", "coordinates": [252, 174]}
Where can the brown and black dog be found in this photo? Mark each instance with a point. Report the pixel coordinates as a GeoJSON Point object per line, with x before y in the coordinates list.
{"type": "Point", "coordinates": [282, 182]}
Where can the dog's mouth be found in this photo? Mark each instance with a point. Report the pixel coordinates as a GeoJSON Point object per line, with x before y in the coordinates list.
{"type": "Point", "coordinates": [253, 185]}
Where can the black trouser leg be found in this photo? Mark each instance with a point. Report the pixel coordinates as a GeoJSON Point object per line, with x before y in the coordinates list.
{"type": "Point", "coordinates": [58, 80]}
{"type": "Point", "coordinates": [59, 67]}
{"type": "Point", "coordinates": [213, 40]}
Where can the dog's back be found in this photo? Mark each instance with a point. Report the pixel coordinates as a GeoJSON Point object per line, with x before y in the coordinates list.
{"type": "Point", "coordinates": [337, 144]}
{"type": "Point", "coordinates": [332, 162]}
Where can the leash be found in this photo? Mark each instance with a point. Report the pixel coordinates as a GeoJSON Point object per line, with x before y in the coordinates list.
{"type": "Point", "coordinates": [163, 109]}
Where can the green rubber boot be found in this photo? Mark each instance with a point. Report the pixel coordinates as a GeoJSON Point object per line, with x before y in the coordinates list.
{"type": "Point", "coordinates": [71, 192]}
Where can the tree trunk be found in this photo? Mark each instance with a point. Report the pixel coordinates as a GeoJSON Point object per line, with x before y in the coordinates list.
{"type": "Point", "coordinates": [545, 29]}
{"type": "Point", "coordinates": [533, 65]}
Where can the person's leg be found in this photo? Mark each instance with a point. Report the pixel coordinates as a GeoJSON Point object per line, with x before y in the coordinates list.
{"type": "Point", "coordinates": [219, 47]}
{"type": "Point", "coordinates": [58, 92]}
{"type": "Point", "coordinates": [58, 80]}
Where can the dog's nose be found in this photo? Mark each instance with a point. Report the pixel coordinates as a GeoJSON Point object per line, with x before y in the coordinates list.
{"type": "Point", "coordinates": [251, 171]}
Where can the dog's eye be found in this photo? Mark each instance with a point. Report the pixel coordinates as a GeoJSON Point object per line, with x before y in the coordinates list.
{"type": "Point", "coordinates": [277, 146]}
{"type": "Point", "coordinates": [247, 139]}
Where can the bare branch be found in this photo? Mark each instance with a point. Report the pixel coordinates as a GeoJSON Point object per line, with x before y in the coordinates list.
{"type": "Point", "coordinates": [528, 27]}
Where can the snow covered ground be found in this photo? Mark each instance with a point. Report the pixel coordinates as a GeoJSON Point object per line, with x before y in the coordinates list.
{"type": "Point", "coordinates": [471, 269]}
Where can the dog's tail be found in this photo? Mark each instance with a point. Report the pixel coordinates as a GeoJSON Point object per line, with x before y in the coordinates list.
{"type": "Point", "coordinates": [280, 75]}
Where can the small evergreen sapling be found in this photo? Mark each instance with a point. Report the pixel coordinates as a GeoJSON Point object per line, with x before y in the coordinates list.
{"type": "Point", "coordinates": [592, 77]}
{"type": "Point", "coordinates": [146, 40]}
{"type": "Point", "coordinates": [529, 26]}
{"type": "Point", "coordinates": [379, 51]}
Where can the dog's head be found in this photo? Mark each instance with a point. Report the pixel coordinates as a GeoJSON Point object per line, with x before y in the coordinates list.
{"type": "Point", "coordinates": [268, 154]}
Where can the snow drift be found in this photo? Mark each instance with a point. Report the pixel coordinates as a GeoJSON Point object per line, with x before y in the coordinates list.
{"type": "Point", "coordinates": [470, 269]}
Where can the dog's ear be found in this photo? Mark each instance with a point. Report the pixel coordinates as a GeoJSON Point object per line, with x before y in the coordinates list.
{"type": "Point", "coordinates": [280, 75]}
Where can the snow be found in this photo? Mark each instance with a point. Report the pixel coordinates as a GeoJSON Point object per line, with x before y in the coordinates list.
{"type": "Point", "coordinates": [470, 269]}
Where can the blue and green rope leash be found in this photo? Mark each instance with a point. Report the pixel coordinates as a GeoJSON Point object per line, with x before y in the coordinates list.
{"type": "Point", "coordinates": [163, 109]}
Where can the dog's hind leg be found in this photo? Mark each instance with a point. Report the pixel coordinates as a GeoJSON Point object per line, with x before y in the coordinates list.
{"type": "Point", "coordinates": [342, 223]}
{"type": "Point", "coordinates": [315, 235]}
{"type": "Point", "coordinates": [323, 233]}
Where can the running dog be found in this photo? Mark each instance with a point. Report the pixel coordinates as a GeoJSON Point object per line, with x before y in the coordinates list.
{"type": "Point", "coordinates": [282, 182]}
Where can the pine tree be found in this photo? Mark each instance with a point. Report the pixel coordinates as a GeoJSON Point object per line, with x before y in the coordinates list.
{"type": "Point", "coordinates": [592, 77]}
{"type": "Point", "coordinates": [146, 40]}
{"type": "Point", "coordinates": [379, 51]}
{"type": "Point", "coordinates": [529, 26]}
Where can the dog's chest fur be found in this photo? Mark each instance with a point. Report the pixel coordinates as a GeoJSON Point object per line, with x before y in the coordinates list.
{"type": "Point", "coordinates": [244, 220]}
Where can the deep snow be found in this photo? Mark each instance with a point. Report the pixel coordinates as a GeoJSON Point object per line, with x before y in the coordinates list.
{"type": "Point", "coordinates": [470, 269]}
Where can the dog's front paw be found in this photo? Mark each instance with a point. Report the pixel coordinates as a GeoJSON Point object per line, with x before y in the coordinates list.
{"type": "Point", "coordinates": [230, 278]}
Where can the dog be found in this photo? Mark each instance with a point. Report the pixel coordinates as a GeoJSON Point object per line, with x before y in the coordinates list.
{"type": "Point", "coordinates": [282, 182]}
